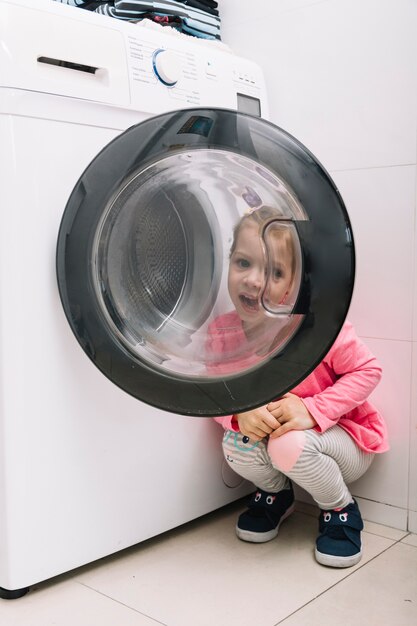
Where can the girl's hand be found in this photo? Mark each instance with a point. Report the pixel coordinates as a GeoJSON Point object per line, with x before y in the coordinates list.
{"type": "Point", "coordinates": [291, 413]}
{"type": "Point", "coordinates": [257, 423]}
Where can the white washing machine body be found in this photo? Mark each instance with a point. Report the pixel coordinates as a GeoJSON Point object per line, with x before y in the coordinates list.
{"type": "Point", "coordinates": [85, 469]}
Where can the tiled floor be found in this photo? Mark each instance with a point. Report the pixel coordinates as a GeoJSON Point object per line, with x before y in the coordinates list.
{"type": "Point", "coordinates": [202, 575]}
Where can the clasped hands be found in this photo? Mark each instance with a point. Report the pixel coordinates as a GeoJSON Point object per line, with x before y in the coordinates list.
{"type": "Point", "coordinates": [276, 418]}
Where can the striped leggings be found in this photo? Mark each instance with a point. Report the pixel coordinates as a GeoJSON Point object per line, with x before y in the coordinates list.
{"type": "Point", "coordinates": [321, 463]}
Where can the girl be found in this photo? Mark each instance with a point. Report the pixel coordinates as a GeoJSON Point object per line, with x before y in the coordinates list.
{"type": "Point", "coordinates": [323, 435]}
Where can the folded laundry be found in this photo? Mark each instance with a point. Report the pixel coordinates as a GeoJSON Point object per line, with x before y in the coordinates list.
{"type": "Point", "coordinates": [200, 26]}
{"type": "Point", "coordinates": [83, 4]}
{"type": "Point", "coordinates": [193, 17]}
{"type": "Point", "coordinates": [197, 33]}
{"type": "Point", "coordinates": [204, 5]}
{"type": "Point", "coordinates": [166, 6]}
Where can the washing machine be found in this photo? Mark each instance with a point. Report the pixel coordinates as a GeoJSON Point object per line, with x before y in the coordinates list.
{"type": "Point", "coordinates": [127, 156]}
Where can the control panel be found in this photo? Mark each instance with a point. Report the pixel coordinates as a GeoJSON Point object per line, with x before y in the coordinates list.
{"type": "Point", "coordinates": [168, 72]}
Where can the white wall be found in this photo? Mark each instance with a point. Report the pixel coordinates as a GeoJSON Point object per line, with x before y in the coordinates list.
{"type": "Point", "coordinates": [342, 78]}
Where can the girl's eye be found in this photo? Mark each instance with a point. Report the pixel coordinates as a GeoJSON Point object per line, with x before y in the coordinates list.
{"type": "Point", "coordinates": [277, 273]}
{"type": "Point", "coordinates": [243, 263]}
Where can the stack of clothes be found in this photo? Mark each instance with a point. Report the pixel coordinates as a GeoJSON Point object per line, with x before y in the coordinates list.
{"type": "Point", "coordinates": [193, 17]}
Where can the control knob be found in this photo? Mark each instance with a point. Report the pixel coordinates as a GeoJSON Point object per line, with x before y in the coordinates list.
{"type": "Point", "coordinates": [166, 67]}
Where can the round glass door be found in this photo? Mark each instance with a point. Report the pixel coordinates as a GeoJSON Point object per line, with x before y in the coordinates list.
{"type": "Point", "coordinates": [170, 264]}
{"type": "Point", "coordinates": [205, 261]}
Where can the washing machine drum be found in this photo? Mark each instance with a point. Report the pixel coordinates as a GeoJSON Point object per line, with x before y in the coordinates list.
{"type": "Point", "coordinates": [205, 262]}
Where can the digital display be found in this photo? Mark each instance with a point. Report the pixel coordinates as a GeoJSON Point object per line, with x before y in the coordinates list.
{"type": "Point", "coordinates": [247, 104]}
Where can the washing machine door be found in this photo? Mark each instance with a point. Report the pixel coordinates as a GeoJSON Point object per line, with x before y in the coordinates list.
{"type": "Point", "coordinates": [205, 261]}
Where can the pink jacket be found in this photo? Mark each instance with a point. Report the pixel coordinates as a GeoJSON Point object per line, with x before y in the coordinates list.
{"type": "Point", "coordinates": [336, 392]}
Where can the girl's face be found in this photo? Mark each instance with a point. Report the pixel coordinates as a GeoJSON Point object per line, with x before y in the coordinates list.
{"type": "Point", "coordinates": [248, 273]}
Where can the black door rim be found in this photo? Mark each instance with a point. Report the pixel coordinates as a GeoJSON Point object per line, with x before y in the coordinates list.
{"type": "Point", "coordinates": [327, 243]}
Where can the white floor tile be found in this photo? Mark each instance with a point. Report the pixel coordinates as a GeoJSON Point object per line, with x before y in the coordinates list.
{"type": "Point", "coordinates": [201, 574]}
{"type": "Point", "coordinates": [385, 531]}
{"type": "Point", "coordinates": [411, 540]}
{"type": "Point", "coordinates": [67, 603]}
{"type": "Point", "coordinates": [382, 593]}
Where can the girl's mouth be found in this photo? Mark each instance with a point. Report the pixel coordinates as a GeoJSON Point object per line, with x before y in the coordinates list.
{"type": "Point", "coordinates": [249, 304]}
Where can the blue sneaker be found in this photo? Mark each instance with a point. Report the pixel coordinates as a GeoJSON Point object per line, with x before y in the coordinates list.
{"type": "Point", "coordinates": [339, 542]}
{"type": "Point", "coordinates": [261, 521]}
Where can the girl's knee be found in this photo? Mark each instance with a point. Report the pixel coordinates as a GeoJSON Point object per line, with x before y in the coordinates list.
{"type": "Point", "coordinates": [240, 450]}
{"type": "Point", "coordinates": [285, 451]}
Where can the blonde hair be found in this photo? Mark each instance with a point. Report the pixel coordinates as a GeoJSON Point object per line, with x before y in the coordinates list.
{"type": "Point", "coordinates": [261, 217]}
